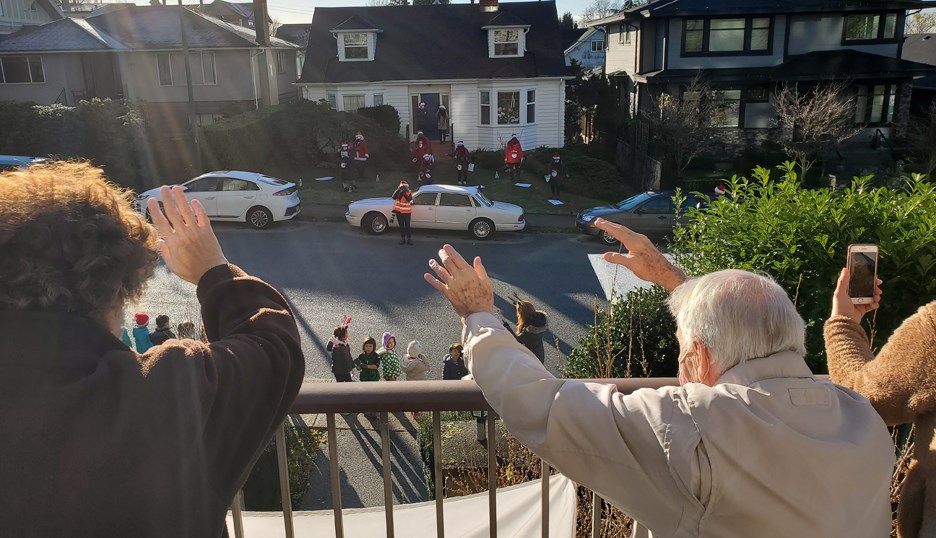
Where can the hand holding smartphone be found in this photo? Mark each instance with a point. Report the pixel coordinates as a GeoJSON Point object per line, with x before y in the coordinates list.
{"type": "Point", "coordinates": [862, 268]}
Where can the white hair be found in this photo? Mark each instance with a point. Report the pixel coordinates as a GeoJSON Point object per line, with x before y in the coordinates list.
{"type": "Point", "coordinates": [738, 315]}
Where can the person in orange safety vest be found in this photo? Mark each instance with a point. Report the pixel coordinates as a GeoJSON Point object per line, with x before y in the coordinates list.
{"type": "Point", "coordinates": [402, 208]}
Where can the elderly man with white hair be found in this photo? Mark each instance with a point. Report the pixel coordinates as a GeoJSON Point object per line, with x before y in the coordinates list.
{"type": "Point", "coordinates": [750, 443]}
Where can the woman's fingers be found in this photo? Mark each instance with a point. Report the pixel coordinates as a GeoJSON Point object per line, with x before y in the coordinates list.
{"type": "Point", "coordinates": [159, 219]}
{"type": "Point", "coordinates": [444, 275]}
{"type": "Point", "coordinates": [184, 206]}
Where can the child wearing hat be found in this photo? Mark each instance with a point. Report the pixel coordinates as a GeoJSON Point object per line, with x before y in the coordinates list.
{"type": "Point", "coordinates": [555, 176]}
{"type": "Point", "coordinates": [389, 362]}
{"type": "Point", "coordinates": [141, 333]}
{"type": "Point", "coordinates": [453, 366]}
{"type": "Point", "coordinates": [425, 170]}
{"type": "Point", "coordinates": [462, 160]}
{"type": "Point", "coordinates": [415, 365]}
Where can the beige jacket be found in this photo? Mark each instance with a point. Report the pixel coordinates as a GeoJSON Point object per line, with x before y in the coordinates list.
{"type": "Point", "coordinates": [769, 451]}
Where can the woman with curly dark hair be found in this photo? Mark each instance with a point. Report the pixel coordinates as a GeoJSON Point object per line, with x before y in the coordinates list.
{"type": "Point", "coordinates": [99, 440]}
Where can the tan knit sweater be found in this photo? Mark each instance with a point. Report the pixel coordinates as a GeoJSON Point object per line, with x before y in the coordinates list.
{"type": "Point", "coordinates": [901, 384]}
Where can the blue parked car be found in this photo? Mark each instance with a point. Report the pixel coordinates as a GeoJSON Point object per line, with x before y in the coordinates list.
{"type": "Point", "coordinates": [11, 162]}
{"type": "Point", "coordinates": [650, 213]}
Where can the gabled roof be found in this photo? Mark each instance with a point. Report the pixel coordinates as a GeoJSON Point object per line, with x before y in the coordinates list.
{"type": "Point", "coordinates": [571, 36]}
{"type": "Point", "coordinates": [682, 8]}
{"type": "Point", "coordinates": [819, 65]}
{"type": "Point", "coordinates": [243, 10]}
{"type": "Point", "coordinates": [434, 42]}
{"type": "Point", "coordinates": [134, 28]}
{"type": "Point", "coordinates": [297, 34]}
{"type": "Point", "coordinates": [582, 38]}
{"type": "Point", "coordinates": [354, 22]}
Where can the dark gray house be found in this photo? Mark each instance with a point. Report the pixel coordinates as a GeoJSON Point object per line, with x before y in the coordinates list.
{"type": "Point", "coordinates": [746, 48]}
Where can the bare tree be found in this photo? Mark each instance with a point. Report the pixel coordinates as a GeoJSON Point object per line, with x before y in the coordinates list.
{"type": "Point", "coordinates": [814, 119]}
{"type": "Point", "coordinates": [598, 9]}
{"type": "Point", "coordinates": [920, 23]}
{"type": "Point", "coordinates": [921, 137]}
{"type": "Point", "coordinates": [681, 124]}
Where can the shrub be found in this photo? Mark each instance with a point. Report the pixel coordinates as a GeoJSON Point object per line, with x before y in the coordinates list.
{"type": "Point", "coordinates": [301, 133]}
{"type": "Point", "coordinates": [634, 337]}
{"type": "Point", "coordinates": [262, 490]}
{"type": "Point", "coordinates": [800, 236]}
{"type": "Point", "coordinates": [385, 115]}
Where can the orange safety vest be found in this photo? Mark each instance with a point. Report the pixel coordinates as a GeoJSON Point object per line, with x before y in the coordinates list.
{"type": "Point", "coordinates": [402, 205]}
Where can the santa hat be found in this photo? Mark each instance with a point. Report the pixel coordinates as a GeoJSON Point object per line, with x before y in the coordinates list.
{"type": "Point", "coordinates": [442, 106]}
{"type": "Point", "coordinates": [459, 143]}
{"type": "Point", "coordinates": [419, 133]}
{"type": "Point", "coordinates": [141, 319]}
{"type": "Point", "coordinates": [513, 135]}
{"type": "Point", "coordinates": [387, 335]}
{"type": "Point", "coordinates": [556, 156]}
{"type": "Point", "coordinates": [359, 134]}
{"type": "Point", "coordinates": [344, 146]}
{"type": "Point", "coordinates": [422, 105]}
{"type": "Point", "coordinates": [414, 348]}
{"type": "Point", "coordinates": [720, 190]}
{"type": "Point", "coordinates": [404, 184]}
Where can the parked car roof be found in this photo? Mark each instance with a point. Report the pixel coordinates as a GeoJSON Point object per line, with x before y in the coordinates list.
{"type": "Point", "coordinates": [448, 188]}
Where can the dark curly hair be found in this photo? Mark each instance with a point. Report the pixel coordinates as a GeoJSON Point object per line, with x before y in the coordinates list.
{"type": "Point", "coordinates": [70, 241]}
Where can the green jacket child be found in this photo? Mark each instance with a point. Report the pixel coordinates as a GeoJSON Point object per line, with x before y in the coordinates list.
{"type": "Point", "coordinates": [369, 361]}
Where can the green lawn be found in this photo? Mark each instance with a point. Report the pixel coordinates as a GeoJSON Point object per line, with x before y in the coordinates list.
{"type": "Point", "coordinates": [533, 200]}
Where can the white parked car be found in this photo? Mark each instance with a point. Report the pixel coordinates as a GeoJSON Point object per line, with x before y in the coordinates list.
{"type": "Point", "coordinates": [442, 207]}
{"type": "Point", "coordinates": [230, 195]}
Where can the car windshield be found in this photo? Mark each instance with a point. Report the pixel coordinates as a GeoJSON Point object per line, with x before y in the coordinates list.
{"type": "Point", "coordinates": [633, 201]}
{"type": "Point", "coordinates": [484, 199]}
{"type": "Point", "coordinates": [276, 182]}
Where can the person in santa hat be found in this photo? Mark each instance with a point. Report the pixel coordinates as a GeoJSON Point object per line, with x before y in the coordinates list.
{"type": "Point", "coordinates": [425, 170]}
{"type": "Point", "coordinates": [422, 117]}
{"type": "Point", "coordinates": [421, 148]}
{"type": "Point", "coordinates": [344, 165]}
{"type": "Point", "coordinates": [513, 156]}
{"type": "Point", "coordinates": [403, 209]}
{"type": "Point", "coordinates": [555, 176]}
{"type": "Point", "coordinates": [462, 160]}
{"type": "Point", "coordinates": [442, 121]}
{"type": "Point", "coordinates": [141, 333]}
{"type": "Point", "coordinates": [359, 154]}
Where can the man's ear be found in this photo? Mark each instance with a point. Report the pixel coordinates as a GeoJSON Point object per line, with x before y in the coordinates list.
{"type": "Point", "coordinates": [707, 372]}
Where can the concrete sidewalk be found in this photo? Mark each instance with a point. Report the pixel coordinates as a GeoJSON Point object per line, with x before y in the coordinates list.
{"type": "Point", "coordinates": [536, 222]}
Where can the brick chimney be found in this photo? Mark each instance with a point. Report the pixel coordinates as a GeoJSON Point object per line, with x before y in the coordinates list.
{"type": "Point", "coordinates": [489, 6]}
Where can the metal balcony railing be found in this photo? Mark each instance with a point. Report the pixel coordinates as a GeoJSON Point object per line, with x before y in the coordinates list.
{"type": "Point", "coordinates": [432, 396]}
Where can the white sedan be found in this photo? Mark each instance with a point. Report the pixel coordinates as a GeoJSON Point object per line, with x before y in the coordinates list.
{"type": "Point", "coordinates": [442, 207]}
{"type": "Point", "coordinates": [249, 197]}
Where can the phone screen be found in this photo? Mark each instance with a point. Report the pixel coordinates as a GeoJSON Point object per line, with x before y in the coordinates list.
{"type": "Point", "coordinates": [862, 269]}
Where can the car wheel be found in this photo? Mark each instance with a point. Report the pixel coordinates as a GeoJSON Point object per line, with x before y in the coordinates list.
{"type": "Point", "coordinates": [375, 223]}
{"type": "Point", "coordinates": [481, 228]}
{"type": "Point", "coordinates": [607, 238]}
{"type": "Point", "coordinates": [259, 217]}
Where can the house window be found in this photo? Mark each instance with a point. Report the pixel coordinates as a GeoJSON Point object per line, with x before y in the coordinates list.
{"type": "Point", "coordinates": [355, 46]}
{"type": "Point", "coordinates": [203, 68]}
{"type": "Point", "coordinates": [870, 27]}
{"type": "Point", "coordinates": [164, 69]}
{"type": "Point", "coordinates": [332, 101]}
{"type": "Point", "coordinates": [508, 108]}
{"type": "Point", "coordinates": [874, 105]}
{"type": "Point", "coordinates": [531, 105]}
{"type": "Point", "coordinates": [281, 62]}
{"type": "Point", "coordinates": [627, 36]}
{"type": "Point", "coordinates": [727, 108]}
{"type": "Point", "coordinates": [21, 70]}
{"type": "Point", "coordinates": [485, 108]}
{"type": "Point", "coordinates": [352, 102]}
{"type": "Point", "coordinates": [597, 46]}
{"type": "Point", "coordinates": [506, 42]}
{"type": "Point", "coordinates": [378, 99]}
{"type": "Point", "coordinates": [748, 35]}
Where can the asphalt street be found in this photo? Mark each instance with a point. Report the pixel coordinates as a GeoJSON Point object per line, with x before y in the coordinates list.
{"type": "Point", "coordinates": [326, 270]}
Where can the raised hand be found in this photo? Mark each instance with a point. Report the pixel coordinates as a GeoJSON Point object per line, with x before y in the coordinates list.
{"type": "Point", "coordinates": [642, 257]}
{"type": "Point", "coordinates": [188, 245]}
{"type": "Point", "coordinates": [842, 304]}
{"type": "Point", "coordinates": [467, 287]}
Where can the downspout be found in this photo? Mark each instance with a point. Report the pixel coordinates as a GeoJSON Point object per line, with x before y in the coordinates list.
{"type": "Point", "coordinates": [253, 78]}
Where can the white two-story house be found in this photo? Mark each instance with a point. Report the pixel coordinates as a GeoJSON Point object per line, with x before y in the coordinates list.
{"type": "Point", "coordinates": [497, 68]}
{"type": "Point", "coordinates": [747, 48]}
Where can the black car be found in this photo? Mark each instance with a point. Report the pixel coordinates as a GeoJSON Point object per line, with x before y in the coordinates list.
{"type": "Point", "coordinates": [650, 213]}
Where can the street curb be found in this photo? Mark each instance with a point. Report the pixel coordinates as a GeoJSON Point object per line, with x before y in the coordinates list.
{"type": "Point", "coordinates": [529, 227]}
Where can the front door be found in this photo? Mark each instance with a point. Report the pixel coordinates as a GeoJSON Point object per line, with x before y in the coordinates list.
{"type": "Point", "coordinates": [427, 122]}
{"type": "Point", "coordinates": [424, 210]}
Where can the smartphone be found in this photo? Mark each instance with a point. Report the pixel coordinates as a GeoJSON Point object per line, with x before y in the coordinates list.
{"type": "Point", "coordinates": [862, 266]}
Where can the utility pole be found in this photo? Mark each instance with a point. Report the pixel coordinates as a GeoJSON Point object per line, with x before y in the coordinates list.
{"type": "Point", "coordinates": [192, 114]}
{"type": "Point", "coordinates": [263, 40]}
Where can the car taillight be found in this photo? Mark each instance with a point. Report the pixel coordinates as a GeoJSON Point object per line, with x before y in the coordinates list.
{"type": "Point", "coordinates": [285, 192]}
{"type": "Point", "coordinates": [520, 218]}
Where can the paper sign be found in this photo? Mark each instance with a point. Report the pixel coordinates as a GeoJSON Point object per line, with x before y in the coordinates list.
{"type": "Point", "coordinates": [555, 202]}
{"type": "Point", "coordinates": [471, 167]}
{"type": "Point", "coordinates": [523, 185]}
{"type": "Point", "coordinates": [326, 178]}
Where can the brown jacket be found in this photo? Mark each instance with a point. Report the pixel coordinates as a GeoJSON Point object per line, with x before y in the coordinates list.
{"type": "Point", "coordinates": [901, 385]}
{"type": "Point", "coordinates": [96, 440]}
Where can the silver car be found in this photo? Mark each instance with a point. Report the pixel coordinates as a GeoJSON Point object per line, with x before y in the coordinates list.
{"type": "Point", "coordinates": [442, 207]}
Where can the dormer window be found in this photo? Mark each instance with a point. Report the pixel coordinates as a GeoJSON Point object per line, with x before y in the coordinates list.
{"type": "Point", "coordinates": [507, 42]}
{"type": "Point", "coordinates": [355, 46]}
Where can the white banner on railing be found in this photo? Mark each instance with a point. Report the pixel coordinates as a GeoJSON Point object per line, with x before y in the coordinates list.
{"type": "Point", "coordinates": [518, 514]}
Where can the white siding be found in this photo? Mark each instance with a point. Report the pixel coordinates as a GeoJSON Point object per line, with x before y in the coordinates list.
{"type": "Point", "coordinates": [809, 33]}
{"type": "Point", "coordinates": [677, 61]}
{"type": "Point", "coordinates": [620, 56]}
{"type": "Point", "coordinates": [465, 113]}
